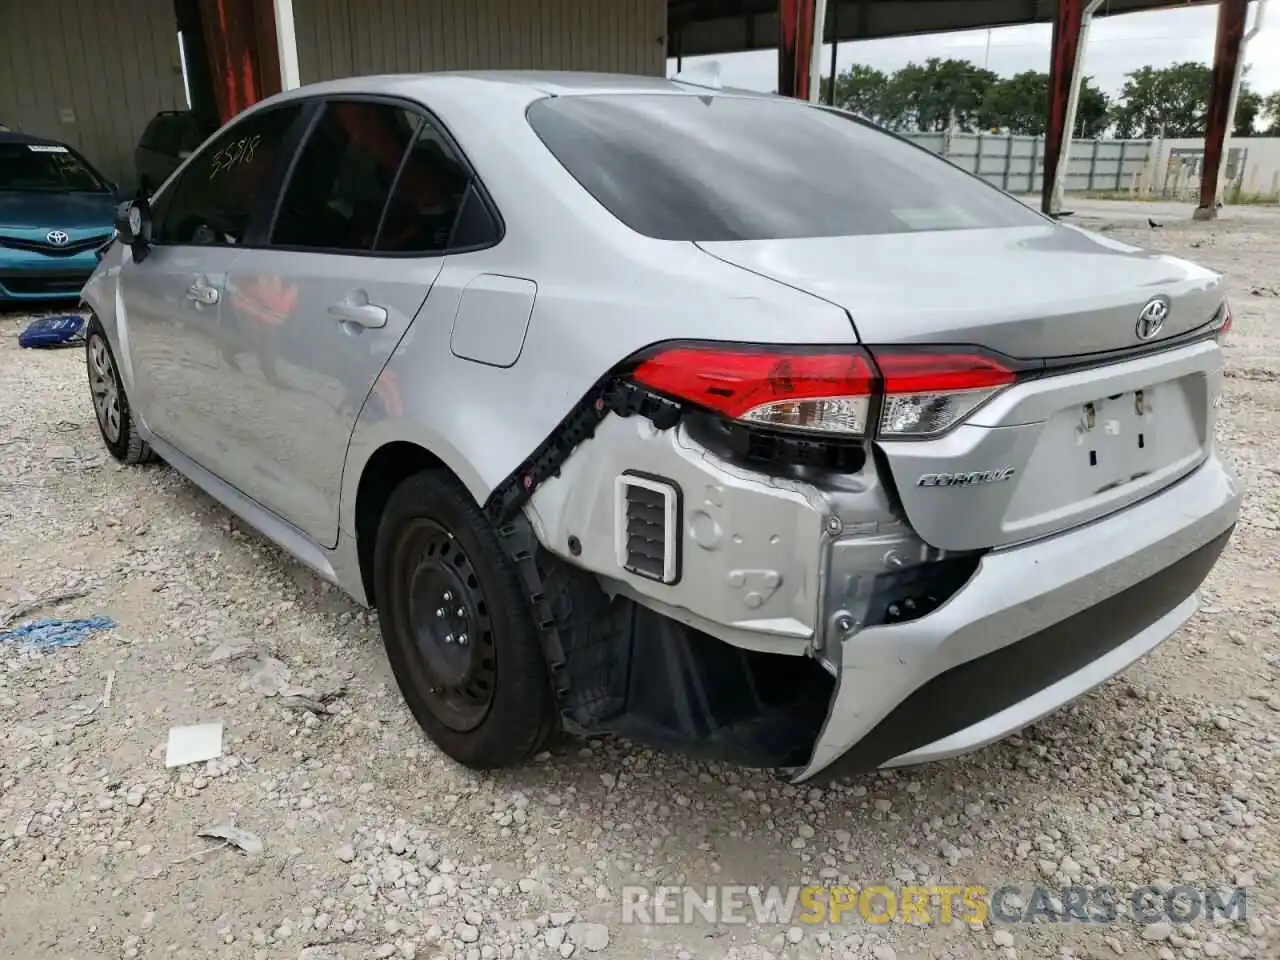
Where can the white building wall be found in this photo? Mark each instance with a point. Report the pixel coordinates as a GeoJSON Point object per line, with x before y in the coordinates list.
{"type": "Point", "coordinates": [1176, 170]}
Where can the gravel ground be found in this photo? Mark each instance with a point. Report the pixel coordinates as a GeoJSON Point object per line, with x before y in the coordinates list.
{"type": "Point", "coordinates": [374, 845]}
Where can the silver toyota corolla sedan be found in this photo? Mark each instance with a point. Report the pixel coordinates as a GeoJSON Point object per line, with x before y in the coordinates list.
{"type": "Point", "coordinates": [723, 422]}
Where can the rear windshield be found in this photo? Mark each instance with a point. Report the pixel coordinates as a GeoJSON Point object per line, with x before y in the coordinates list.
{"type": "Point", "coordinates": [45, 168]}
{"type": "Point", "coordinates": [738, 168]}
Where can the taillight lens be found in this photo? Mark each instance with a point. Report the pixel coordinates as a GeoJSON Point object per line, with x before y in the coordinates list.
{"type": "Point", "coordinates": [928, 392]}
{"type": "Point", "coordinates": [820, 392]}
{"type": "Point", "coordinates": [829, 390]}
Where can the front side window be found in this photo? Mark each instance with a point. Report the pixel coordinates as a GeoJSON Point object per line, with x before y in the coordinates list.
{"type": "Point", "coordinates": [214, 199]}
{"type": "Point", "coordinates": [678, 167]}
{"type": "Point", "coordinates": [346, 171]}
{"type": "Point", "coordinates": [45, 168]}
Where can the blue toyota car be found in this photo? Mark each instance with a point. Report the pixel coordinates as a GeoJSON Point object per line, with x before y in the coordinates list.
{"type": "Point", "coordinates": [56, 214]}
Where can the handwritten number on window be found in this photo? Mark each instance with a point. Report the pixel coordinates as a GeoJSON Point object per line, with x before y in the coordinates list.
{"type": "Point", "coordinates": [234, 154]}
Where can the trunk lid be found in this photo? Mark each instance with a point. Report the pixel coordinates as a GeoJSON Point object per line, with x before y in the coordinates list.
{"type": "Point", "coordinates": [1028, 292]}
{"type": "Point", "coordinates": [1053, 451]}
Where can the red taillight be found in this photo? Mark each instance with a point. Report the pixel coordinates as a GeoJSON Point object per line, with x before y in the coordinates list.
{"type": "Point", "coordinates": [829, 390]}
{"type": "Point", "coordinates": [912, 371]}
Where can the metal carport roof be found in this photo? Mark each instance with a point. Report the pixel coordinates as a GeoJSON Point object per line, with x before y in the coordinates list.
{"type": "Point", "coordinates": [701, 27]}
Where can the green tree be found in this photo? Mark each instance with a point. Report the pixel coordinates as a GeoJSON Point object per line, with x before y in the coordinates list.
{"type": "Point", "coordinates": [860, 89]}
{"type": "Point", "coordinates": [1270, 108]}
{"type": "Point", "coordinates": [1020, 104]}
{"type": "Point", "coordinates": [1248, 110]}
{"type": "Point", "coordinates": [926, 96]}
{"type": "Point", "coordinates": [1173, 100]}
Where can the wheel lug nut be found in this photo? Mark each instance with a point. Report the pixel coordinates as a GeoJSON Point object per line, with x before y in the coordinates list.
{"type": "Point", "coordinates": [448, 595]}
{"type": "Point", "coordinates": [439, 611]}
{"type": "Point", "coordinates": [448, 638]}
{"type": "Point", "coordinates": [462, 638]}
{"type": "Point", "coordinates": [461, 612]}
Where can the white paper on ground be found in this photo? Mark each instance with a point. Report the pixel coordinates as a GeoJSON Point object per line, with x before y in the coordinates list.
{"type": "Point", "coordinates": [194, 744]}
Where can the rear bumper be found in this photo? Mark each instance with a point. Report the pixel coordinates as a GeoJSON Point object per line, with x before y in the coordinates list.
{"type": "Point", "coordinates": [1034, 628]}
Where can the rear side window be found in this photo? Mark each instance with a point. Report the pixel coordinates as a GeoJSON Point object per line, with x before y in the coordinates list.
{"type": "Point", "coordinates": [423, 210]}
{"type": "Point", "coordinates": [711, 168]}
{"type": "Point", "coordinates": [344, 176]}
{"type": "Point", "coordinates": [214, 199]}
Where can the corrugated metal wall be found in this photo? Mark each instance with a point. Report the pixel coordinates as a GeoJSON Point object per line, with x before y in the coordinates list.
{"type": "Point", "coordinates": [342, 38]}
{"type": "Point", "coordinates": [89, 72]}
{"type": "Point", "coordinates": [93, 72]}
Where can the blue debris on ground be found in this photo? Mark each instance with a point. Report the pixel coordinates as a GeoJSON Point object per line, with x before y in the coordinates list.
{"type": "Point", "coordinates": [47, 634]}
{"type": "Point", "coordinates": [63, 331]}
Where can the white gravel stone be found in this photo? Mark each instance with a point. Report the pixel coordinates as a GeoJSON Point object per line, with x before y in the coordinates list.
{"type": "Point", "coordinates": [590, 936]}
{"type": "Point", "coordinates": [375, 840]}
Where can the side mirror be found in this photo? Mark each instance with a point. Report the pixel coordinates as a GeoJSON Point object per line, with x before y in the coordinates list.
{"type": "Point", "coordinates": [133, 225]}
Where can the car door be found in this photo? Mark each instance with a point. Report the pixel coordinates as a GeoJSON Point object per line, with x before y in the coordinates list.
{"type": "Point", "coordinates": [357, 242]}
{"type": "Point", "coordinates": [173, 296]}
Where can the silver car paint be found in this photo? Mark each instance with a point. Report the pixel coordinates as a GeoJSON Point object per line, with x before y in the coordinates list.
{"type": "Point", "coordinates": [174, 343]}
{"type": "Point", "coordinates": [299, 379]}
{"type": "Point", "coordinates": [608, 292]}
{"type": "Point", "coordinates": [1018, 592]}
{"type": "Point", "coordinates": [1040, 291]}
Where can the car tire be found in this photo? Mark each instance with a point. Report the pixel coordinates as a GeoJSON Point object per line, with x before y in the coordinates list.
{"type": "Point", "coordinates": [458, 628]}
{"type": "Point", "coordinates": [116, 422]}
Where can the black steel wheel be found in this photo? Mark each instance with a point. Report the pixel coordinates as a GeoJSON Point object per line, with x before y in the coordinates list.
{"type": "Point", "coordinates": [457, 627]}
{"type": "Point", "coordinates": [448, 619]}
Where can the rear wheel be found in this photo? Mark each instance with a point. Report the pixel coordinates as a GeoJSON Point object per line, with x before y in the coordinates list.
{"type": "Point", "coordinates": [457, 627]}
{"type": "Point", "coordinates": [110, 402]}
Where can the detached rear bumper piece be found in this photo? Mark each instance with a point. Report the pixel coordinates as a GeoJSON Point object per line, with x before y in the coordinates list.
{"type": "Point", "coordinates": [1035, 627]}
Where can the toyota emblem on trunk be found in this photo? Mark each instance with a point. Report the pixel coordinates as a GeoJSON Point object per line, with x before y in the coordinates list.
{"type": "Point", "coordinates": [1151, 319]}
{"type": "Point", "coordinates": [58, 238]}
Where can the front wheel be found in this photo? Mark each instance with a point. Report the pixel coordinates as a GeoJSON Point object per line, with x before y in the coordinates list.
{"type": "Point", "coordinates": [457, 627]}
{"type": "Point", "coordinates": [111, 407]}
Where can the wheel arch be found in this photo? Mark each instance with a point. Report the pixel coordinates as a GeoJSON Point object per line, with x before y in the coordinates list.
{"type": "Point", "coordinates": [385, 467]}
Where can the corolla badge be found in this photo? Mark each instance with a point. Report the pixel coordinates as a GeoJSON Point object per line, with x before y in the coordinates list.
{"type": "Point", "coordinates": [966, 478]}
{"type": "Point", "coordinates": [58, 238]}
{"type": "Point", "coordinates": [1151, 319]}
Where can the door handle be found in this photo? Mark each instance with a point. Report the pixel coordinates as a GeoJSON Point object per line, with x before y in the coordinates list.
{"type": "Point", "coordinates": [199, 293]}
{"type": "Point", "coordinates": [362, 315]}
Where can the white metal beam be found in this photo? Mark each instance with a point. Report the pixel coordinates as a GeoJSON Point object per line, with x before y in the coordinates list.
{"type": "Point", "coordinates": [815, 58]}
{"type": "Point", "coordinates": [1073, 104]}
{"type": "Point", "coordinates": [286, 44]}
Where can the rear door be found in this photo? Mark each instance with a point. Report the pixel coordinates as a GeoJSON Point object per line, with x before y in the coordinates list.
{"type": "Point", "coordinates": [356, 244]}
{"type": "Point", "coordinates": [174, 329]}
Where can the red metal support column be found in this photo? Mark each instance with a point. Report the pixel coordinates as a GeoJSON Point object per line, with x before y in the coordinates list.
{"type": "Point", "coordinates": [1226, 55]}
{"type": "Point", "coordinates": [795, 47]}
{"type": "Point", "coordinates": [1062, 66]}
{"type": "Point", "coordinates": [243, 57]}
